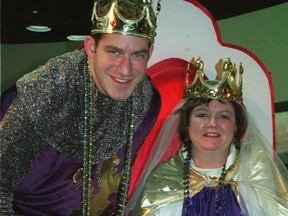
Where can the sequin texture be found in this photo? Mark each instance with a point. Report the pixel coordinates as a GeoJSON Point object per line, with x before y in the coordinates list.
{"type": "Point", "coordinates": [49, 111]}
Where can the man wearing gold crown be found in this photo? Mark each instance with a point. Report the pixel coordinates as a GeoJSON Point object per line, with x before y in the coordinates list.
{"type": "Point", "coordinates": [71, 134]}
{"type": "Point", "coordinates": [221, 166]}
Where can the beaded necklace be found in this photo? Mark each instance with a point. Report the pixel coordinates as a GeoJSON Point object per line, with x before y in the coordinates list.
{"type": "Point", "coordinates": [124, 185]}
{"type": "Point", "coordinates": [87, 166]}
{"type": "Point", "coordinates": [220, 203]}
{"type": "Point", "coordinates": [87, 140]}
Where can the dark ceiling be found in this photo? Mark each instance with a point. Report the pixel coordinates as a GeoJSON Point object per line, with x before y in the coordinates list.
{"type": "Point", "coordinates": [72, 17]}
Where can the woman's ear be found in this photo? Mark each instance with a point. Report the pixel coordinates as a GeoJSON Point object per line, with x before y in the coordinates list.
{"type": "Point", "coordinates": [89, 45]}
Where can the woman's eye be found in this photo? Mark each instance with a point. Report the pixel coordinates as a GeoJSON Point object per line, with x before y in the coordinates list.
{"type": "Point", "coordinates": [201, 115]}
{"type": "Point", "coordinates": [224, 117]}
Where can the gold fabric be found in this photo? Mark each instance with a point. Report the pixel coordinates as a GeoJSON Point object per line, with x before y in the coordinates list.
{"type": "Point", "coordinates": [198, 181]}
{"type": "Point", "coordinates": [165, 185]}
{"type": "Point", "coordinates": [108, 182]}
{"type": "Point", "coordinates": [260, 188]}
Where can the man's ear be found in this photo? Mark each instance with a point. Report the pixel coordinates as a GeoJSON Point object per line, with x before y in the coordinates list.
{"type": "Point", "coordinates": [89, 44]}
{"type": "Point", "coordinates": [151, 49]}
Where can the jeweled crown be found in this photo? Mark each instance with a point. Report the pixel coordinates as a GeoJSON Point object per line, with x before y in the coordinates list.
{"type": "Point", "coordinates": [226, 88]}
{"type": "Point", "coordinates": [114, 22]}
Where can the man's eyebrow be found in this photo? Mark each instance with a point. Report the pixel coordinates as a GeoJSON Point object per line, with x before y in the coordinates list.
{"type": "Point", "coordinates": [141, 51]}
{"type": "Point", "coordinates": [119, 49]}
{"type": "Point", "coordinates": [112, 47]}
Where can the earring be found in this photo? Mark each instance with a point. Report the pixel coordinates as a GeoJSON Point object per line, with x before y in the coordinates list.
{"type": "Point", "coordinates": [187, 137]}
{"type": "Point", "coordinates": [236, 142]}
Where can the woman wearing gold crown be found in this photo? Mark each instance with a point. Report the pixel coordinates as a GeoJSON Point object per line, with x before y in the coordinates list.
{"type": "Point", "coordinates": [224, 165]}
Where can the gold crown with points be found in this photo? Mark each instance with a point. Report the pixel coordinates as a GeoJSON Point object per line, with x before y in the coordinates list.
{"type": "Point", "coordinates": [114, 22]}
{"type": "Point", "coordinates": [226, 88]}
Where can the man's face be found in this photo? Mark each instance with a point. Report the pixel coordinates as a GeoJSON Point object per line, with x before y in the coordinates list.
{"type": "Point", "coordinates": [119, 63]}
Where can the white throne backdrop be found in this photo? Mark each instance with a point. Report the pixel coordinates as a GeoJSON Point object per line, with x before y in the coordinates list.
{"type": "Point", "coordinates": [186, 29]}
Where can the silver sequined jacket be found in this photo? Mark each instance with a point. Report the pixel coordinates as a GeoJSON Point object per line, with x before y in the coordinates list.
{"type": "Point", "coordinates": [48, 111]}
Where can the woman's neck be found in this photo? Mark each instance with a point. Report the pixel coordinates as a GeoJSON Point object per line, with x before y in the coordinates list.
{"type": "Point", "coordinates": [209, 159]}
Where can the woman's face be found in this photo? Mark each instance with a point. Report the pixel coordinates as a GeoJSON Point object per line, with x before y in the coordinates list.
{"type": "Point", "coordinates": [212, 126]}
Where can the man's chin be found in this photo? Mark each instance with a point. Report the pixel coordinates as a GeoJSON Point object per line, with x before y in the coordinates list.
{"type": "Point", "coordinates": [120, 97]}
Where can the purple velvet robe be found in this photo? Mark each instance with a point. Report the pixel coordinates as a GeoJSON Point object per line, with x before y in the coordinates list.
{"type": "Point", "coordinates": [203, 203]}
{"type": "Point", "coordinates": [48, 188]}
